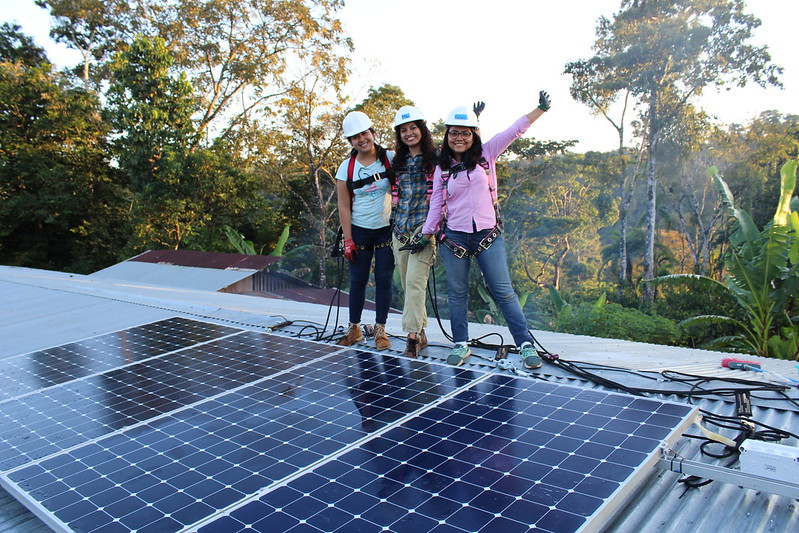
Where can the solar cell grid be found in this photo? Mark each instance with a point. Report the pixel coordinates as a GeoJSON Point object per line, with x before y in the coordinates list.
{"type": "Point", "coordinates": [265, 433]}
{"type": "Point", "coordinates": [57, 418]}
{"type": "Point", "coordinates": [179, 468]}
{"type": "Point", "coordinates": [478, 461]}
{"type": "Point", "coordinates": [46, 368]}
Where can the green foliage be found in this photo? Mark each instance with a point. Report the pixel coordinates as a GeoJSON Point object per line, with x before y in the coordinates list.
{"type": "Point", "coordinates": [611, 320]}
{"type": "Point", "coordinates": [762, 277]}
{"type": "Point", "coordinates": [237, 240]}
{"type": "Point", "coordinates": [182, 193]}
{"type": "Point", "coordinates": [61, 204]}
{"type": "Point", "coordinates": [242, 57]}
{"type": "Point", "coordinates": [281, 242]}
{"type": "Point", "coordinates": [381, 104]}
{"type": "Point", "coordinates": [663, 54]}
{"type": "Point", "coordinates": [93, 27]}
{"type": "Point", "coordinates": [556, 208]}
{"type": "Point", "coordinates": [243, 246]}
{"type": "Point", "coordinates": [16, 47]}
{"type": "Point", "coordinates": [756, 154]}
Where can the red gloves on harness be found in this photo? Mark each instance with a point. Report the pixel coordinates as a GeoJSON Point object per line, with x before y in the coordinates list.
{"type": "Point", "coordinates": [350, 251]}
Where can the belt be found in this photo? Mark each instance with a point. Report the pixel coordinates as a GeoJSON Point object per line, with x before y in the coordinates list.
{"type": "Point", "coordinates": [461, 252]}
{"type": "Point", "coordinates": [406, 239]}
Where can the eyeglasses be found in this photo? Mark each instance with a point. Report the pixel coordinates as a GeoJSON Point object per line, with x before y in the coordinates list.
{"type": "Point", "coordinates": [455, 134]}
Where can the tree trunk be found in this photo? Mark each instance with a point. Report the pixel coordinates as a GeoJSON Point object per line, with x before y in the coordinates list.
{"type": "Point", "coordinates": [558, 264]}
{"type": "Point", "coordinates": [651, 223]}
{"type": "Point", "coordinates": [322, 256]}
{"type": "Point", "coordinates": [651, 200]}
{"type": "Point", "coordinates": [320, 223]}
{"type": "Point", "coordinates": [626, 195]}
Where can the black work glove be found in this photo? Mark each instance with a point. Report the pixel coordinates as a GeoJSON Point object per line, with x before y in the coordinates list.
{"type": "Point", "coordinates": [478, 108]}
{"type": "Point", "coordinates": [544, 102]}
{"type": "Point", "coordinates": [416, 247]}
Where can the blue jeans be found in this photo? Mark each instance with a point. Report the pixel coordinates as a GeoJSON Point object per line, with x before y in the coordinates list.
{"type": "Point", "coordinates": [359, 272]}
{"type": "Point", "coordinates": [493, 264]}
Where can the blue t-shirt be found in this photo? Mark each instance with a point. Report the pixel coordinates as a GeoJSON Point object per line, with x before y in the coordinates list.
{"type": "Point", "coordinates": [371, 204]}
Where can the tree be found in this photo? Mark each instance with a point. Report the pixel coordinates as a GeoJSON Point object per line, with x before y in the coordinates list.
{"type": "Point", "coordinates": [309, 151]}
{"type": "Point", "coordinates": [241, 57]}
{"type": "Point", "coordinates": [667, 52]}
{"type": "Point", "coordinates": [152, 112]}
{"type": "Point", "coordinates": [61, 203]}
{"type": "Point", "coordinates": [92, 27]}
{"type": "Point", "coordinates": [557, 212]}
{"type": "Point", "coordinates": [762, 277]}
{"type": "Point", "coordinates": [16, 47]}
{"type": "Point", "coordinates": [381, 105]}
{"type": "Point", "coordinates": [183, 195]}
{"type": "Point", "coordinates": [755, 153]}
{"type": "Point", "coordinates": [594, 85]}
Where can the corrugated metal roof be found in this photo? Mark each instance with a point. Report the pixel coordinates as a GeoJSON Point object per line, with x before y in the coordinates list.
{"type": "Point", "coordinates": [43, 309]}
{"type": "Point", "coordinates": [188, 277]}
{"type": "Point", "coordinates": [216, 260]}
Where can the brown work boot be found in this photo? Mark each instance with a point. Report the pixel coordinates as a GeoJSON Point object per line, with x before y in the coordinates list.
{"type": "Point", "coordinates": [382, 341]}
{"type": "Point", "coordinates": [422, 338]}
{"type": "Point", "coordinates": [353, 335]}
{"type": "Point", "coordinates": [414, 345]}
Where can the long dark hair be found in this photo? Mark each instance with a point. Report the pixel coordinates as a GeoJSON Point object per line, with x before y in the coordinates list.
{"type": "Point", "coordinates": [469, 158]}
{"type": "Point", "coordinates": [401, 149]}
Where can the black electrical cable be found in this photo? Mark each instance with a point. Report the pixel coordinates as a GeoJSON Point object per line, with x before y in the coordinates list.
{"type": "Point", "coordinates": [432, 293]}
{"type": "Point", "coordinates": [336, 295]}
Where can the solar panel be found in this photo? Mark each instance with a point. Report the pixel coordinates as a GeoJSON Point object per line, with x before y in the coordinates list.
{"type": "Point", "coordinates": [257, 431]}
{"type": "Point", "coordinates": [45, 368]}
{"type": "Point", "coordinates": [505, 455]}
{"type": "Point", "coordinates": [56, 418]}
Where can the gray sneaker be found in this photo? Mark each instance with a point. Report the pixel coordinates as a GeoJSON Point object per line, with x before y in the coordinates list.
{"type": "Point", "coordinates": [529, 356]}
{"type": "Point", "coordinates": [459, 354]}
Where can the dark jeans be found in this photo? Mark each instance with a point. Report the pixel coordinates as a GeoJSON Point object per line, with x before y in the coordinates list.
{"type": "Point", "coordinates": [494, 265]}
{"type": "Point", "coordinates": [359, 272]}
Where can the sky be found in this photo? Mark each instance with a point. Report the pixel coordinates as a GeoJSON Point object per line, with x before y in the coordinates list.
{"type": "Point", "coordinates": [445, 53]}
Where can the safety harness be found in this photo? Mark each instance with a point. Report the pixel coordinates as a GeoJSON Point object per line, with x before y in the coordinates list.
{"type": "Point", "coordinates": [459, 251]}
{"type": "Point", "coordinates": [417, 237]}
{"type": "Point", "coordinates": [352, 184]}
{"type": "Point", "coordinates": [338, 249]}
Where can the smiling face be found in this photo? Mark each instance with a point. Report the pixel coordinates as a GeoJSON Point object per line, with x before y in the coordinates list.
{"type": "Point", "coordinates": [364, 142]}
{"type": "Point", "coordinates": [460, 139]}
{"type": "Point", "coordinates": [410, 134]}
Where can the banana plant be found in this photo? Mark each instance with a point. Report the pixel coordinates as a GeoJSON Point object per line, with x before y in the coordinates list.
{"type": "Point", "coordinates": [762, 277]}
{"type": "Point", "coordinates": [245, 247]}
{"type": "Point", "coordinates": [493, 311]}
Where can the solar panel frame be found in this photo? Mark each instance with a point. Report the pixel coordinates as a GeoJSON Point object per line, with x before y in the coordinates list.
{"type": "Point", "coordinates": [31, 372]}
{"type": "Point", "coordinates": [406, 419]}
{"type": "Point", "coordinates": [465, 493]}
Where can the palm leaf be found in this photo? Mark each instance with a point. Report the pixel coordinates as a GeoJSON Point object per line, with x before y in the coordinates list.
{"type": "Point", "coordinates": [281, 242]}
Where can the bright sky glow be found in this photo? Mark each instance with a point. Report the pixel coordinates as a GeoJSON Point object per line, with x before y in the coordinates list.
{"type": "Point", "coordinates": [444, 53]}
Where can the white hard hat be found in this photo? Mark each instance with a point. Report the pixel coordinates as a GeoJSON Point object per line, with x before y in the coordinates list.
{"type": "Point", "coordinates": [355, 122]}
{"type": "Point", "coordinates": [461, 116]}
{"type": "Point", "coordinates": [407, 113]}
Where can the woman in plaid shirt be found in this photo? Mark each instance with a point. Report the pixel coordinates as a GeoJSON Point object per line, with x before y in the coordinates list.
{"type": "Point", "coordinates": [414, 164]}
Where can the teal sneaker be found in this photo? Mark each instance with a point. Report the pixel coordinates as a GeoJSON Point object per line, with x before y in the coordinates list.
{"type": "Point", "coordinates": [529, 356]}
{"type": "Point", "coordinates": [459, 354]}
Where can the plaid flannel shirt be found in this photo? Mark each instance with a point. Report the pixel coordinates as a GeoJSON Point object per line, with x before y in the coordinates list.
{"type": "Point", "coordinates": [412, 204]}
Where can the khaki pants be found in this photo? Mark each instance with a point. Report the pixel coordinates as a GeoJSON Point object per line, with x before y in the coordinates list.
{"type": "Point", "coordinates": [414, 270]}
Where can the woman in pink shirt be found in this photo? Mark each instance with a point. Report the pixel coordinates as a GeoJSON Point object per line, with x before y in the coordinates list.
{"type": "Point", "coordinates": [463, 210]}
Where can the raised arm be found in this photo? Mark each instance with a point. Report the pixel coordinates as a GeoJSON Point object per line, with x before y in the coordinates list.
{"type": "Point", "coordinates": [543, 106]}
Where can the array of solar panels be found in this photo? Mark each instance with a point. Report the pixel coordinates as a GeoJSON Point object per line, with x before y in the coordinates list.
{"type": "Point", "coordinates": [182, 425]}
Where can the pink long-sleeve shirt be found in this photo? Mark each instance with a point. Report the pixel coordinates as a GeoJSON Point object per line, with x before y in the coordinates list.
{"type": "Point", "coordinates": [469, 194]}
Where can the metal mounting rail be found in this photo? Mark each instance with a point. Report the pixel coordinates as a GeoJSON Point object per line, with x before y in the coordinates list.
{"type": "Point", "coordinates": [672, 462]}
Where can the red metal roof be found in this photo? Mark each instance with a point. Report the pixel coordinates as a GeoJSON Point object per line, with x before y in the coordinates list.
{"type": "Point", "coordinates": [221, 261]}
